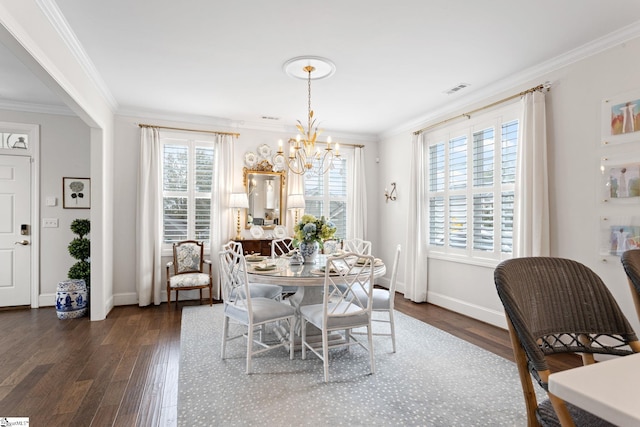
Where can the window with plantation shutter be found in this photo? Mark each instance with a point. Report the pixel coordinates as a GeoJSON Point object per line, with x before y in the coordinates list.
{"type": "Point", "coordinates": [458, 221]}
{"type": "Point", "coordinates": [436, 221]}
{"type": "Point", "coordinates": [326, 195]}
{"type": "Point", "coordinates": [187, 178]}
{"type": "Point", "coordinates": [470, 185]}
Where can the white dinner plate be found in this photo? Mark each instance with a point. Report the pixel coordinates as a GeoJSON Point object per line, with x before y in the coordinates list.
{"type": "Point", "coordinates": [280, 231]}
{"type": "Point", "coordinates": [256, 231]}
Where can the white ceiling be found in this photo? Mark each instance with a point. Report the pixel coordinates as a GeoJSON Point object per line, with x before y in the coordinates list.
{"type": "Point", "coordinates": [394, 59]}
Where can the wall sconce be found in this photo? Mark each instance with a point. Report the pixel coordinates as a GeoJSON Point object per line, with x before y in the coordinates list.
{"type": "Point", "coordinates": [391, 195]}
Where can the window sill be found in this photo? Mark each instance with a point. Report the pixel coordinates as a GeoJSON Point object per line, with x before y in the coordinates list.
{"type": "Point", "coordinates": [464, 259]}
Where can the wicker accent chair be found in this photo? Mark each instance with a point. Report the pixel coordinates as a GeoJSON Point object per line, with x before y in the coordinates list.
{"type": "Point", "coordinates": [242, 307]}
{"type": "Point", "coordinates": [556, 305]}
{"type": "Point", "coordinates": [631, 264]}
{"type": "Point", "coordinates": [188, 270]}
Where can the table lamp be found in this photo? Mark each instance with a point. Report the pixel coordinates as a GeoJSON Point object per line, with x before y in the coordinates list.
{"type": "Point", "coordinates": [295, 201]}
{"type": "Point", "coordinates": [238, 201]}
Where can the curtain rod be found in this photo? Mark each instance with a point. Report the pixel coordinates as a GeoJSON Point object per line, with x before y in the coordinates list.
{"type": "Point", "coordinates": [546, 85]}
{"type": "Point", "coordinates": [342, 144]}
{"type": "Point", "coordinates": [189, 130]}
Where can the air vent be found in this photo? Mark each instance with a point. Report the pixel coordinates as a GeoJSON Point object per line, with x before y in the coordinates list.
{"type": "Point", "coordinates": [270, 118]}
{"type": "Point", "coordinates": [457, 88]}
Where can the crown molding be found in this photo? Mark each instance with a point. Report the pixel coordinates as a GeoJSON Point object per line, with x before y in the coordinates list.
{"type": "Point", "coordinates": [60, 24]}
{"type": "Point", "coordinates": [594, 47]}
{"type": "Point", "coordinates": [30, 107]}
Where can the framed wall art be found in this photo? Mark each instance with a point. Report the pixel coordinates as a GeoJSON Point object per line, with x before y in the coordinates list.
{"type": "Point", "coordinates": [619, 234]}
{"type": "Point", "coordinates": [620, 179]}
{"type": "Point", "coordinates": [621, 118]}
{"type": "Point", "coordinates": [76, 193]}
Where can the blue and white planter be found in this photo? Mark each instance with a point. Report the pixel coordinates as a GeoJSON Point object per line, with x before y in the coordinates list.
{"type": "Point", "coordinates": [309, 251]}
{"type": "Point", "coordinates": [71, 299]}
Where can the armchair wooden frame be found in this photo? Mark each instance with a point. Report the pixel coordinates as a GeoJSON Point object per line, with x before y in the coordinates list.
{"type": "Point", "coordinates": [540, 295]}
{"type": "Point", "coordinates": [179, 281]}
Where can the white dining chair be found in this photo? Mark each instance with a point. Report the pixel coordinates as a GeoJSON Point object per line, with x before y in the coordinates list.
{"type": "Point", "coordinates": [383, 301]}
{"type": "Point", "coordinates": [341, 311]}
{"type": "Point", "coordinates": [258, 290]}
{"type": "Point", "coordinates": [358, 246]}
{"type": "Point", "coordinates": [281, 247]}
{"type": "Point", "coordinates": [253, 312]}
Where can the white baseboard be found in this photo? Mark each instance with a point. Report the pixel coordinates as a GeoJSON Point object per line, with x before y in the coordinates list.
{"type": "Point", "coordinates": [496, 318]}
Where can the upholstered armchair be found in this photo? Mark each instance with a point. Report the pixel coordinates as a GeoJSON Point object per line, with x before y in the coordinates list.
{"type": "Point", "coordinates": [188, 270]}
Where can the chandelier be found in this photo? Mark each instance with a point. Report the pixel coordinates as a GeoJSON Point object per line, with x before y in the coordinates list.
{"type": "Point", "coordinates": [304, 156]}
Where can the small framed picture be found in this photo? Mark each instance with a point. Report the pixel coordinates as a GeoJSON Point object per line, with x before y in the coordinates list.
{"type": "Point", "coordinates": [621, 118]}
{"type": "Point", "coordinates": [619, 234]}
{"type": "Point", "coordinates": [621, 179]}
{"type": "Point", "coordinates": [76, 193]}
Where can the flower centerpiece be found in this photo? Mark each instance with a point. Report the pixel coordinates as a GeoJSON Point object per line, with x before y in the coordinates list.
{"type": "Point", "coordinates": [309, 234]}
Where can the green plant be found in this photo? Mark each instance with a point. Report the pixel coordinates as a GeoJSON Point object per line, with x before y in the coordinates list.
{"type": "Point", "coordinates": [80, 249]}
{"type": "Point", "coordinates": [312, 229]}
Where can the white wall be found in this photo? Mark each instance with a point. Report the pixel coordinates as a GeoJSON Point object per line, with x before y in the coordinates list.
{"type": "Point", "coordinates": [64, 151]}
{"type": "Point", "coordinates": [127, 137]}
{"type": "Point", "coordinates": [574, 129]}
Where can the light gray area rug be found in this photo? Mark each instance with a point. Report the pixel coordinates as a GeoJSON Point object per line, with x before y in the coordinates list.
{"type": "Point", "coordinates": [434, 379]}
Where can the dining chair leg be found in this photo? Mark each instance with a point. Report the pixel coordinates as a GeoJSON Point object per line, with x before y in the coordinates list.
{"type": "Point", "coordinates": [249, 347]}
{"type": "Point", "coordinates": [325, 353]}
{"type": "Point", "coordinates": [225, 334]}
{"type": "Point", "coordinates": [393, 330]}
{"type": "Point", "coordinates": [371, 355]}
{"type": "Point", "coordinates": [291, 342]}
{"type": "Point", "coordinates": [168, 298]}
{"type": "Point", "coordinates": [177, 297]}
{"type": "Point", "coordinates": [304, 338]}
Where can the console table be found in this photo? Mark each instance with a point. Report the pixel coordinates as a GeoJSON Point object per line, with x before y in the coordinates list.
{"type": "Point", "coordinates": [260, 246]}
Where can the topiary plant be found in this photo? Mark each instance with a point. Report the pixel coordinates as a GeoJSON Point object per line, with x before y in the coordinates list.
{"type": "Point", "coordinates": [80, 249]}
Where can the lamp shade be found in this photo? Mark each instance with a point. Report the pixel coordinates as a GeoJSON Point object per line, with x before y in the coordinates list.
{"type": "Point", "coordinates": [295, 201]}
{"type": "Point", "coordinates": [238, 200]}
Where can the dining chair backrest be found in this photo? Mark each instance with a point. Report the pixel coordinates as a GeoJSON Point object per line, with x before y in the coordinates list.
{"type": "Point", "coordinates": [347, 277]}
{"type": "Point", "coordinates": [394, 276]}
{"type": "Point", "coordinates": [233, 246]}
{"type": "Point", "coordinates": [358, 246]}
{"type": "Point", "coordinates": [553, 306]}
{"type": "Point", "coordinates": [233, 279]}
{"type": "Point", "coordinates": [631, 263]}
{"type": "Point", "coordinates": [281, 247]}
{"type": "Point", "coordinates": [188, 257]}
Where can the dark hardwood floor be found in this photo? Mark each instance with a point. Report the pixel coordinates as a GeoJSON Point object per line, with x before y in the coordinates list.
{"type": "Point", "coordinates": [123, 371]}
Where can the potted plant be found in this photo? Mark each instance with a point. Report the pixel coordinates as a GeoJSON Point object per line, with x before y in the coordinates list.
{"type": "Point", "coordinates": [309, 235]}
{"type": "Point", "coordinates": [72, 295]}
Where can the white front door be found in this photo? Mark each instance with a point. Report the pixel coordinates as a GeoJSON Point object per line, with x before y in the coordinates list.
{"type": "Point", "coordinates": [15, 214]}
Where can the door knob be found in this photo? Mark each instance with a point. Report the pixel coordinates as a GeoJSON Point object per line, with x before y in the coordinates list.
{"type": "Point", "coordinates": [22, 242]}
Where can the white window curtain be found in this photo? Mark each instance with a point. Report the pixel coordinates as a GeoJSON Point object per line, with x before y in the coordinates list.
{"type": "Point", "coordinates": [222, 219]}
{"type": "Point", "coordinates": [531, 211]}
{"type": "Point", "coordinates": [357, 198]}
{"type": "Point", "coordinates": [416, 279]}
{"type": "Point", "coordinates": [149, 219]}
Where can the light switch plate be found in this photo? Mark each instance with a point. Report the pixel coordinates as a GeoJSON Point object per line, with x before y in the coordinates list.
{"type": "Point", "coordinates": [49, 222]}
{"type": "Point", "coordinates": [51, 201]}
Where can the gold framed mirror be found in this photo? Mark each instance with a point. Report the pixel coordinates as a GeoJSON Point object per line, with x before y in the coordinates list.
{"type": "Point", "coordinates": [265, 191]}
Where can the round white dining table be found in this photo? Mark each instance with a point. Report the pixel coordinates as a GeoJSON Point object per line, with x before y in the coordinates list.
{"type": "Point", "coordinates": [308, 278]}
